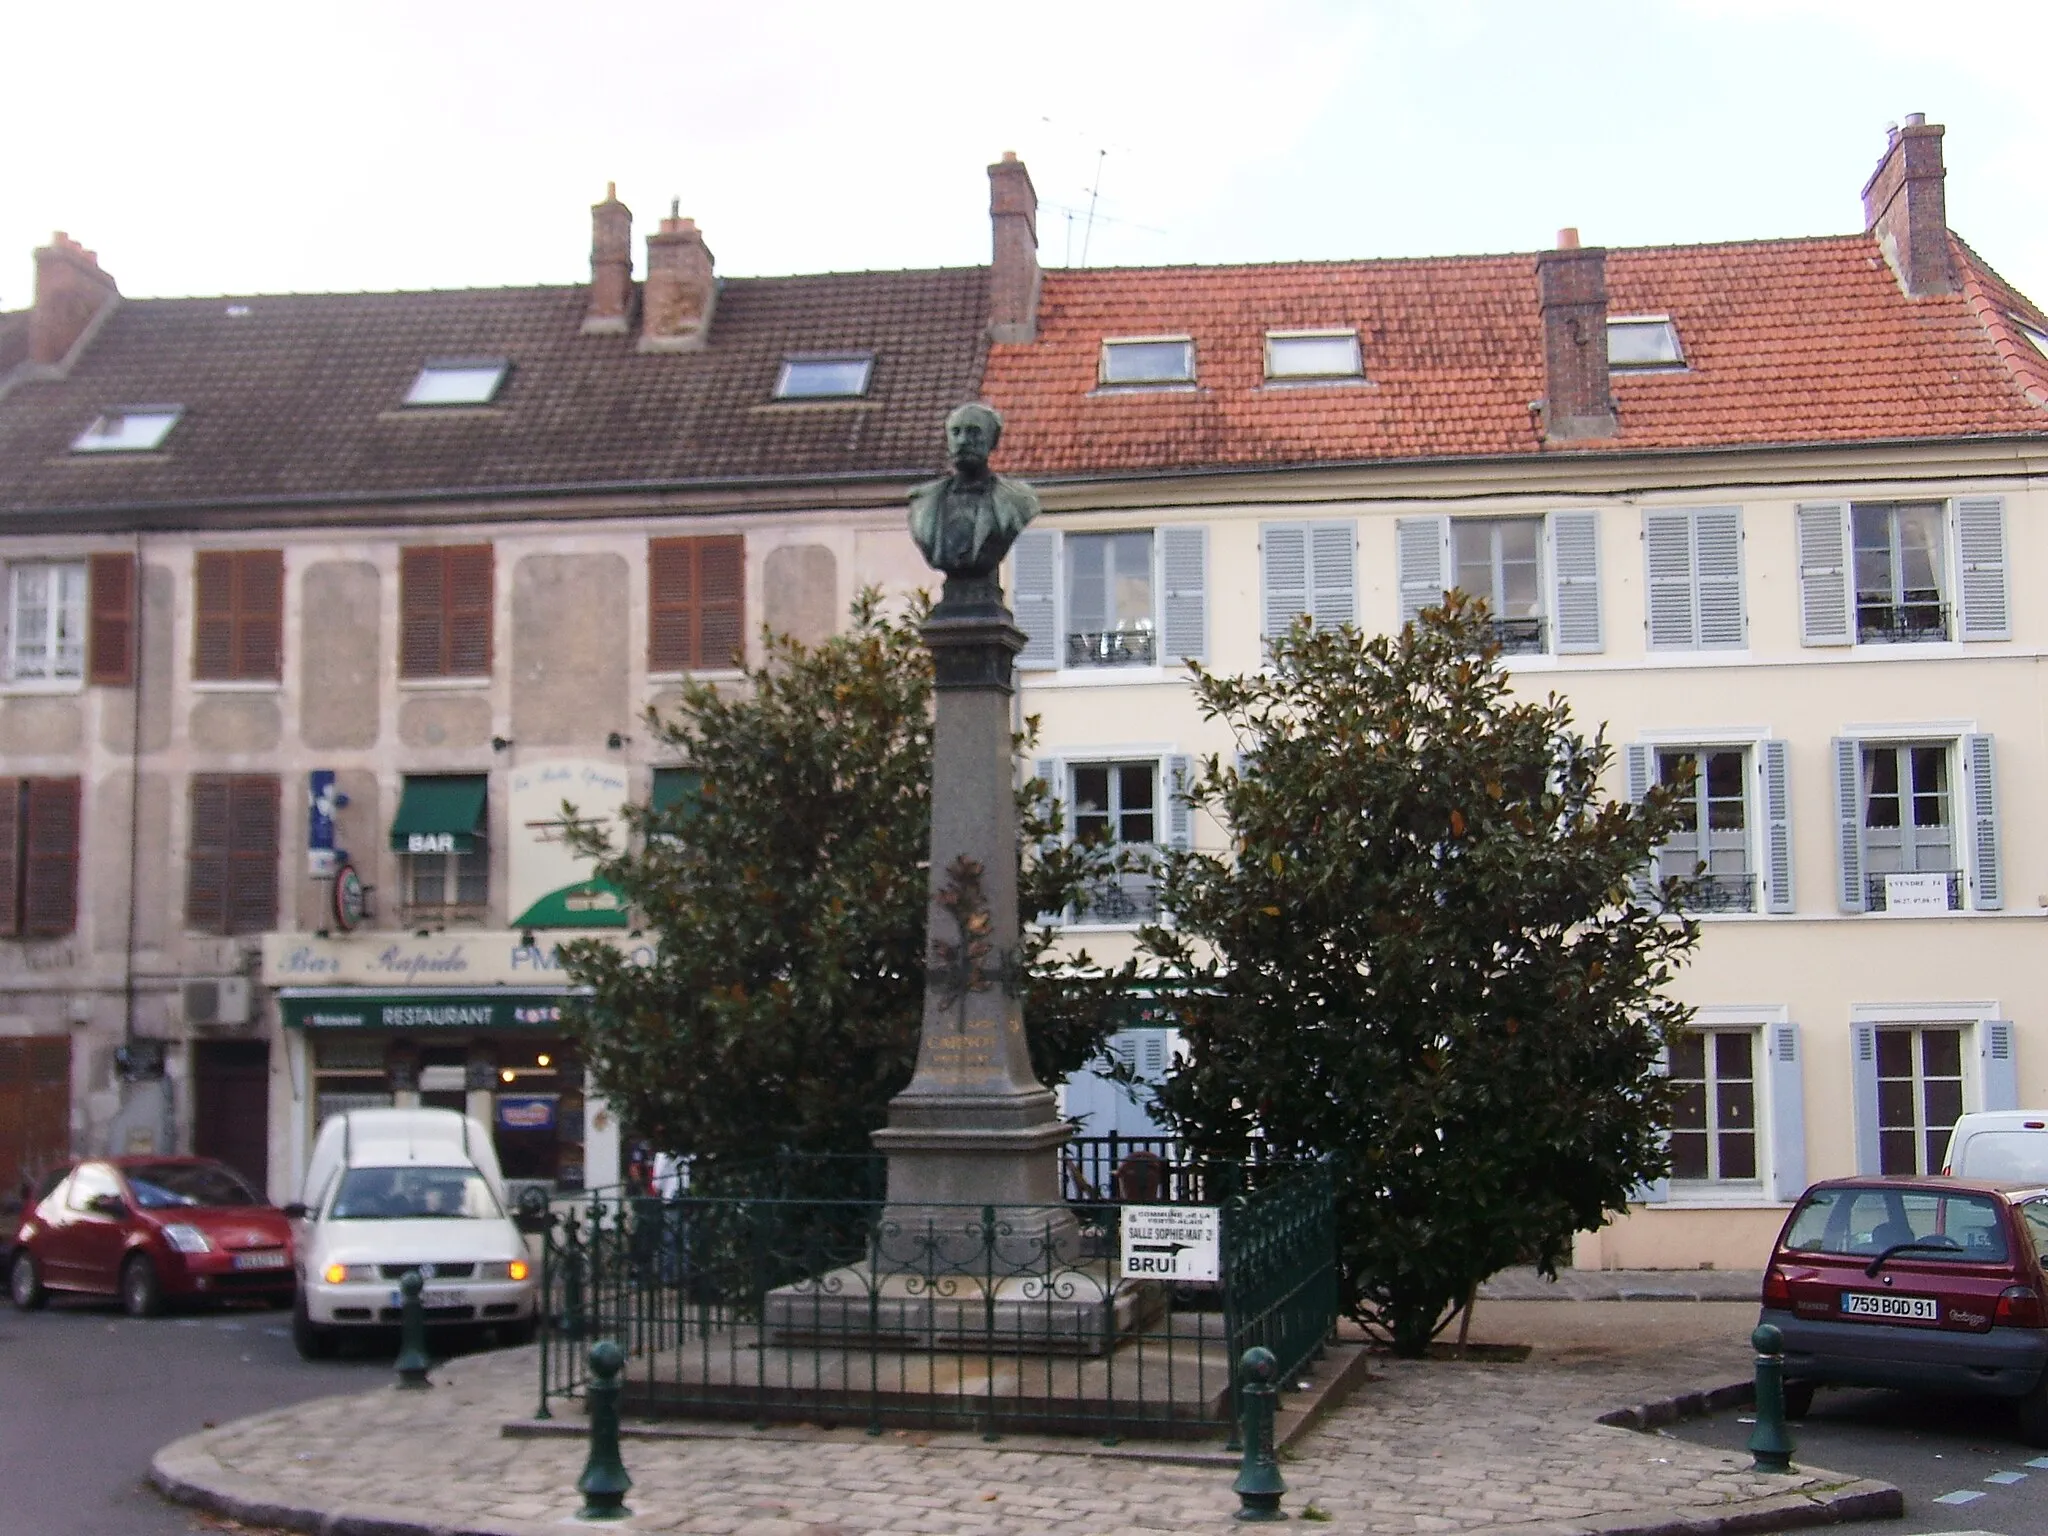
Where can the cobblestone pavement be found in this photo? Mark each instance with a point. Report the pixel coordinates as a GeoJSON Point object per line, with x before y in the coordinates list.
{"type": "Point", "coordinates": [1421, 1447]}
{"type": "Point", "coordinates": [1625, 1285]}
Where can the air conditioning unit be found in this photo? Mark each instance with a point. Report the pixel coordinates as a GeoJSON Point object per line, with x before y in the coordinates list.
{"type": "Point", "coordinates": [222, 1000]}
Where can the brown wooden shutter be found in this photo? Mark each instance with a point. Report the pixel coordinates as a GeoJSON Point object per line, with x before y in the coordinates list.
{"type": "Point", "coordinates": [213, 592]}
{"type": "Point", "coordinates": [259, 613]}
{"type": "Point", "coordinates": [50, 880]}
{"type": "Point", "coordinates": [421, 585]}
{"type": "Point", "coordinates": [254, 804]}
{"type": "Point", "coordinates": [470, 591]}
{"type": "Point", "coordinates": [721, 589]}
{"type": "Point", "coordinates": [206, 858]}
{"type": "Point", "coordinates": [11, 791]}
{"type": "Point", "coordinates": [110, 630]}
{"type": "Point", "coordinates": [696, 602]}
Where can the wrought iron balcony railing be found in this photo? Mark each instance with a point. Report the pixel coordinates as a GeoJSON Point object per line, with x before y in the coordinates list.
{"type": "Point", "coordinates": [1132, 897]}
{"type": "Point", "coordinates": [1877, 892]}
{"type": "Point", "coordinates": [1900, 623]}
{"type": "Point", "coordinates": [1724, 893]}
{"type": "Point", "coordinates": [1112, 648]}
{"type": "Point", "coordinates": [1520, 637]}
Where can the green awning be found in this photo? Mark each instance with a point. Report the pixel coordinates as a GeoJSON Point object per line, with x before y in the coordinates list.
{"type": "Point", "coordinates": [440, 815]}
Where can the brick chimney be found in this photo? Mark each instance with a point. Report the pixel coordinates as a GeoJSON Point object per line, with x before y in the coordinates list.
{"type": "Point", "coordinates": [1013, 276]}
{"type": "Point", "coordinates": [1905, 206]}
{"type": "Point", "coordinates": [1571, 286]}
{"type": "Point", "coordinates": [680, 292]}
{"type": "Point", "coordinates": [611, 266]}
{"type": "Point", "coordinates": [70, 290]}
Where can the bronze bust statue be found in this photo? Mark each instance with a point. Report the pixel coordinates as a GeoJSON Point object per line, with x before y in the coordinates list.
{"type": "Point", "coordinates": [967, 522]}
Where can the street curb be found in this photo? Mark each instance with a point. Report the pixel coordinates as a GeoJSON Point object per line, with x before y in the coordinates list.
{"type": "Point", "coordinates": [1861, 1499]}
{"type": "Point", "coordinates": [1684, 1405]}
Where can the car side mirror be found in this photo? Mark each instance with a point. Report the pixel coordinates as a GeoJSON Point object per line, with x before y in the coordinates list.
{"type": "Point", "coordinates": [108, 1205]}
{"type": "Point", "coordinates": [296, 1209]}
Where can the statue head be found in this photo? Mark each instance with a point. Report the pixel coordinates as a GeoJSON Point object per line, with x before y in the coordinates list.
{"type": "Point", "coordinates": [972, 432]}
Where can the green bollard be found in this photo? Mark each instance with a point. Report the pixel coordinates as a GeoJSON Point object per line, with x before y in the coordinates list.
{"type": "Point", "coordinates": [1770, 1442]}
{"type": "Point", "coordinates": [1259, 1485]}
{"type": "Point", "coordinates": [604, 1481]}
{"type": "Point", "coordinates": [412, 1335]}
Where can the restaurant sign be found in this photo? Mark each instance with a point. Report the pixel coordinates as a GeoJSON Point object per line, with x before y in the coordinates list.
{"type": "Point", "coordinates": [430, 1012]}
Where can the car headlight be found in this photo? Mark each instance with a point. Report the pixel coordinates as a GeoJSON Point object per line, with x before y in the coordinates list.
{"type": "Point", "coordinates": [186, 1238]}
{"type": "Point", "coordinates": [348, 1274]}
{"type": "Point", "coordinates": [515, 1269]}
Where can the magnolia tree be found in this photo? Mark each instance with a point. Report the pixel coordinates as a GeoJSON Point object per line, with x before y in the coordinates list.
{"type": "Point", "coordinates": [1428, 957]}
{"type": "Point", "coordinates": [785, 901]}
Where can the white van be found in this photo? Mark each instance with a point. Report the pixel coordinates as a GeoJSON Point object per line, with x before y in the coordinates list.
{"type": "Point", "coordinates": [388, 1190]}
{"type": "Point", "coordinates": [2006, 1145]}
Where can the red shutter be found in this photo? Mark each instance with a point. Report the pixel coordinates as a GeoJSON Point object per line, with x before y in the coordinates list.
{"type": "Point", "coordinates": [420, 587]}
{"type": "Point", "coordinates": [253, 807]}
{"type": "Point", "coordinates": [696, 603]}
{"type": "Point", "coordinates": [206, 856]}
{"type": "Point", "coordinates": [50, 881]}
{"type": "Point", "coordinates": [469, 602]}
{"type": "Point", "coordinates": [259, 613]}
{"type": "Point", "coordinates": [721, 602]}
{"type": "Point", "coordinates": [110, 631]}
{"type": "Point", "coordinates": [11, 791]}
{"type": "Point", "coordinates": [213, 594]}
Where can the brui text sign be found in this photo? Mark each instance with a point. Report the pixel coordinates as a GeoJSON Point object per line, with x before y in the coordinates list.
{"type": "Point", "coordinates": [1173, 1242]}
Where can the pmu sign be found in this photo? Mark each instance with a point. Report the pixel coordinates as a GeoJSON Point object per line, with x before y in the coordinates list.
{"type": "Point", "coordinates": [1173, 1242]}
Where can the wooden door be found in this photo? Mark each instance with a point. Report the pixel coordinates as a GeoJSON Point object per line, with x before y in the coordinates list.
{"type": "Point", "coordinates": [35, 1108]}
{"type": "Point", "coordinates": [231, 1106]}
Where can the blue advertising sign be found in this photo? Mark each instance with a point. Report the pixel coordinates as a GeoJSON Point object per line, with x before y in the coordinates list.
{"type": "Point", "coordinates": [526, 1111]}
{"type": "Point", "coordinates": [321, 801]}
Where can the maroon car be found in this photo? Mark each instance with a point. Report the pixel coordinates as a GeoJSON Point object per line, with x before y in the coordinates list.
{"type": "Point", "coordinates": [151, 1229]}
{"type": "Point", "coordinates": [1928, 1284]}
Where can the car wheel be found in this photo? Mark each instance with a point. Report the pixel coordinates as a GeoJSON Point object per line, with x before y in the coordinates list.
{"type": "Point", "coordinates": [141, 1296]}
{"type": "Point", "coordinates": [24, 1283]}
{"type": "Point", "coordinates": [311, 1340]}
{"type": "Point", "coordinates": [1798, 1399]}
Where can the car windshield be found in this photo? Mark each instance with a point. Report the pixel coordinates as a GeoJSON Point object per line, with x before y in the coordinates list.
{"type": "Point", "coordinates": [2017, 1157]}
{"type": "Point", "coordinates": [1863, 1223]}
{"type": "Point", "coordinates": [159, 1186]}
{"type": "Point", "coordinates": [395, 1194]}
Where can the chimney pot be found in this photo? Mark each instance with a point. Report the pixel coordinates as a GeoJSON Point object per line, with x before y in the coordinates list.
{"type": "Point", "coordinates": [1567, 239]}
{"type": "Point", "coordinates": [1014, 278]}
{"type": "Point", "coordinates": [681, 288]}
{"type": "Point", "coordinates": [1571, 288]}
{"type": "Point", "coordinates": [611, 266]}
{"type": "Point", "coordinates": [71, 291]}
{"type": "Point", "coordinates": [1905, 205]}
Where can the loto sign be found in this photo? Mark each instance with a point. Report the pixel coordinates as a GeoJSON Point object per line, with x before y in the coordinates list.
{"type": "Point", "coordinates": [1183, 1243]}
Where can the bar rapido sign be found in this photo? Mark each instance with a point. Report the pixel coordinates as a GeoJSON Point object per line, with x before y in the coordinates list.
{"type": "Point", "coordinates": [1173, 1242]}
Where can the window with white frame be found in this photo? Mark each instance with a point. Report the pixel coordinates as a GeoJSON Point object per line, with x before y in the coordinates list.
{"type": "Point", "coordinates": [1640, 342]}
{"type": "Point", "coordinates": [458, 381]}
{"type": "Point", "coordinates": [131, 429]}
{"type": "Point", "coordinates": [1147, 360]}
{"type": "Point", "coordinates": [1714, 1114]}
{"type": "Point", "coordinates": [1712, 846]}
{"type": "Point", "coordinates": [1134, 806]}
{"type": "Point", "coordinates": [1899, 580]}
{"type": "Point", "coordinates": [1313, 355]}
{"type": "Point", "coordinates": [1093, 602]}
{"type": "Point", "coordinates": [1920, 825]}
{"type": "Point", "coordinates": [450, 879]}
{"type": "Point", "coordinates": [1919, 1095]}
{"type": "Point", "coordinates": [1540, 575]}
{"type": "Point", "coordinates": [1500, 559]}
{"type": "Point", "coordinates": [46, 621]}
{"type": "Point", "coordinates": [1892, 572]}
{"type": "Point", "coordinates": [1109, 605]}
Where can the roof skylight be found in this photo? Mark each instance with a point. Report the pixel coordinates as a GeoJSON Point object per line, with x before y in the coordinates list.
{"type": "Point", "coordinates": [1643, 341]}
{"type": "Point", "coordinates": [1148, 360]}
{"type": "Point", "coordinates": [2033, 333]}
{"type": "Point", "coordinates": [823, 378]}
{"type": "Point", "coordinates": [466, 381]}
{"type": "Point", "coordinates": [131, 429]}
{"type": "Point", "coordinates": [1313, 355]}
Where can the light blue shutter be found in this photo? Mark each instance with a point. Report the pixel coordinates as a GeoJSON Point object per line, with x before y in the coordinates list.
{"type": "Point", "coordinates": [1788, 1112]}
{"type": "Point", "coordinates": [1985, 604]}
{"type": "Point", "coordinates": [1422, 560]}
{"type": "Point", "coordinates": [1863, 1079]}
{"type": "Point", "coordinates": [1825, 612]}
{"type": "Point", "coordinates": [1998, 1065]}
{"type": "Point", "coordinates": [1641, 775]}
{"type": "Point", "coordinates": [1184, 614]}
{"type": "Point", "coordinates": [1851, 895]}
{"type": "Point", "coordinates": [1657, 1191]}
{"type": "Point", "coordinates": [1777, 776]}
{"type": "Point", "coordinates": [1049, 769]}
{"type": "Point", "coordinates": [1717, 567]}
{"type": "Point", "coordinates": [1333, 573]}
{"type": "Point", "coordinates": [1180, 831]}
{"type": "Point", "coordinates": [1034, 572]}
{"type": "Point", "coordinates": [1978, 764]}
{"type": "Point", "coordinates": [1575, 570]}
{"type": "Point", "coordinates": [1283, 576]}
{"type": "Point", "coordinates": [1671, 619]}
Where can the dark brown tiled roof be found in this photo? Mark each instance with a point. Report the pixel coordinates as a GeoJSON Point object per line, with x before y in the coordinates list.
{"type": "Point", "coordinates": [1786, 342]}
{"type": "Point", "coordinates": [13, 339]}
{"type": "Point", "coordinates": [300, 398]}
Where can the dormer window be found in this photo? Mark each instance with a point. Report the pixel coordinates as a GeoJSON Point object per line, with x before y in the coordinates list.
{"type": "Point", "coordinates": [1643, 342]}
{"type": "Point", "coordinates": [458, 381]}
{"type": "Point", "coordinates": [823, 378]}
{"type": "Point", "coordinates": [1148, 360]}
{"type": "Point", "coordinates": [1313, 355]}
{"type": "Point", "coordinates": [131, 429]}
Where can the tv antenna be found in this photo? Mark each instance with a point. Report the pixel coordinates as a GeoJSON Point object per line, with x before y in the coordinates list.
{"type": "Point", "coordinates": [1094, 192]}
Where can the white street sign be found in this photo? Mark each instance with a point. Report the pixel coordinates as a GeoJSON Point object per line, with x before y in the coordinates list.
{"type": "Point", "coordinates": [1173, 1242]}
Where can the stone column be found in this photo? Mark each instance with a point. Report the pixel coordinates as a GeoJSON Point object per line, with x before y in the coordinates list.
{"type": "Point", "coordinates": [975, 1127]}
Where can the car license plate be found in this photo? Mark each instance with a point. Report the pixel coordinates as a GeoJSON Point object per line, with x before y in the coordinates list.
{"type": "Point", "coordinates": [1913, 1309]}
{"type": "Point", "coordinates": [434, 1298]}
{"type": "Point", "coordinates": [274, 1260]}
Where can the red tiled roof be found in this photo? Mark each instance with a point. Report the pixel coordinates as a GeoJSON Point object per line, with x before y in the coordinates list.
{"type": "Point", "coordinates": [1792, 341]}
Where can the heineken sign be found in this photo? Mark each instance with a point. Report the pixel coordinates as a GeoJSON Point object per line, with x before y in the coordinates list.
{"type": "Point", "coordinates": [425, 1011]}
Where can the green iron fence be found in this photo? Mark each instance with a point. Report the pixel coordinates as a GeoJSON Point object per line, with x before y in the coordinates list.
{"type": "Point", "coordinates": [834, 1308]}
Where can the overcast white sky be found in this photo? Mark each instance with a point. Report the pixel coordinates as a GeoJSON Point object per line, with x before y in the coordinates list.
{"type": "Point", "coordinates": [237, 148]}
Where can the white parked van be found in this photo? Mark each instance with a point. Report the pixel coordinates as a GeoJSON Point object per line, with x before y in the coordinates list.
{"type": "Point", "coordinates": [2007, 1145]}
{"type": "Point", "coordinates": [388, 1190]}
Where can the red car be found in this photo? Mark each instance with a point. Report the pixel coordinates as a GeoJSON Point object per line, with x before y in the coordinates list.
{"type": "Point", "coordinates": [150, 1229]}
{"type": "Point", "coordinates": [1927, 1284]}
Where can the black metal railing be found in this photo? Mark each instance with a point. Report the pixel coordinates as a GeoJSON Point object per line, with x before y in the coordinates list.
{"type": "Point", "coordinates": [1131, 896]}
{"type": "Point", "coordinates": [1900, 623]}
{"type": "Point", "coordinates": [852, 1311]}
{"type": "Point", "coordinates": [1877, 893]}
{"type": "Point", "coordinates": [1722, 893]}
{"type": "Point", "coordinates": [1520, 637]}
{"type": "Point", "coordinates": [1112, 648]}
